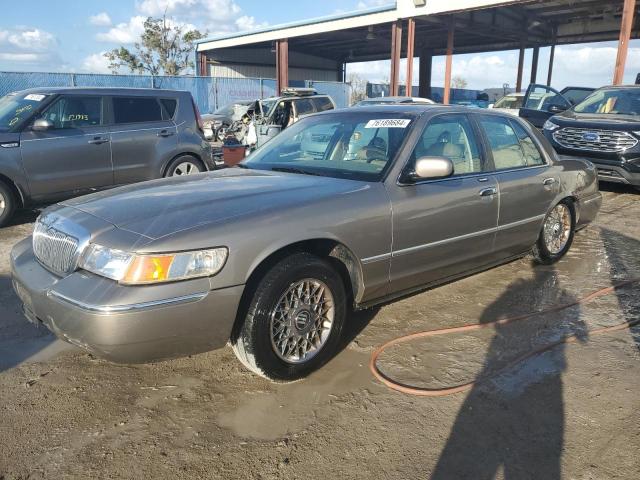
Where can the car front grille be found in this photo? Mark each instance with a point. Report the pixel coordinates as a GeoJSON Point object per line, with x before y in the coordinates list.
{"type": "Point", "coordinates": [55, 249]}
{"type": "Point", "coordinates": [610, 141]}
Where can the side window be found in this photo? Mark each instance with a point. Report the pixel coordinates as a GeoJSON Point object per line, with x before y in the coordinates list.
{"type": "Point", "coordinates": [169, 106]}
{"type": "Point", "coordinates": [541, 98]}
{"type": "Point", "coordinates": [75, 112]}
{"type": "Point", "coordinates": [323, 104]}
{"type": "Point", "coordinates": [504, 143]}
{"type": "Point", "coordinates": [304, 107]}
{"type": "Point", "coordinates": [452, 137]}
{"type": "Point", "coordinates": [531, 153]}
{"type": "Point", "coordinates": [136, 109]}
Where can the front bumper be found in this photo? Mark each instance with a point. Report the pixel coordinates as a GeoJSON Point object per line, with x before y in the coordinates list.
{"type": "Point", "coordinates": [99, 315]}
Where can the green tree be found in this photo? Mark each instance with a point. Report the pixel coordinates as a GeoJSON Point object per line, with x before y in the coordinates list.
{"type": "Point", "coordinates": [165, 48]}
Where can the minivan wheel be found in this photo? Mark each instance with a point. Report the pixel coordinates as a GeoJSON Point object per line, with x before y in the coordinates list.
{"type": "Point", "coordinates": [557, 234]}
{"type": "Point", "coordinates": [294, 319]}
{"type": "Point", "coordinates": [7, 204]}
{"type": "Point", "coordinates": [184, 165]}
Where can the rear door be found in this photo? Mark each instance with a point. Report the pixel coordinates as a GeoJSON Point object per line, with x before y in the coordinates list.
{"type": "Point", "coordinates": [527, 184]}
{"type": "Point", "coordinates": [542, 102]}
{"type": "Point", "coordinates": [447, 226]}
{"type": "Point", "coordinates": [143, 136]}
{"type": "Point", "coordinates": [75, 155]}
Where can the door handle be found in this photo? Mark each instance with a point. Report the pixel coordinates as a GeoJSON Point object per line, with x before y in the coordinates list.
{"type": "Point", "coordinates": [165, 133]}
{"type": "Point", "coordinates": [549, 181]}
{"type": "Point", "coordinates": [488, 192]}
{"type": "Point", "coordinates": [483, 179]}
{"type": "Point", "coordinates": [98, 140]}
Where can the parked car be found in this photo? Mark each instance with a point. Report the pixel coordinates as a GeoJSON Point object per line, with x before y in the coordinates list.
{"type": "Point", "coordinates": [300, 237]}
{"type": "Point", "coordinates": [605, 129]}
{"type": "Point", "coordinates": [541, 102]}
{"type": "Point", "coordinates": [59, 143]}
{"type": "Point", "coordinates": [393, 101]}
{"type": "Point", "coordinates": [217, 123]}
{"type": "Point", "coordinates": [510, 103]}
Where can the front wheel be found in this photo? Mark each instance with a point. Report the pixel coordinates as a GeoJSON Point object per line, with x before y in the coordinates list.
{"type": "Point", "coordinates": [557, 233]}
{"type": "Point", "coordinates": [294, 320]}
{"type": "Point", "coordinates": [7, 204]}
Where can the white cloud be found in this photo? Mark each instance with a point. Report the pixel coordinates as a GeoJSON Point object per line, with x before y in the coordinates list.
{"type": "Point", "coordinates": [364, 4]}
{"type": "Point", "coordinates": [124, 33]}
{"type": "Point", "coordinates": [101, 19]}
{"type": "Point", "coordinates": [26, 47]}
{"type": "Point", "coordinates": [20, 57]}
{"type": "Point", "coordinates": [32, 39]}
{"type": "Point", "coordinates": [246, 23]}
{"type": "Point", "coordinates": [96, 63]}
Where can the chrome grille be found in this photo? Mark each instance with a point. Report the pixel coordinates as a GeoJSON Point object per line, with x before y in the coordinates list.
{"type": "Point", "coordinates": [595, 140]}
{"type": "Point", "coordinates": [55, 249]}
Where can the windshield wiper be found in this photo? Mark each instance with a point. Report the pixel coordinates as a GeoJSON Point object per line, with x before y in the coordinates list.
{"type": "Point", "coordinates": [295, 170]}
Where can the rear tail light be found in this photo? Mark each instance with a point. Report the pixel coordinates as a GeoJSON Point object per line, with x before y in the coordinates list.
{"type": "Point", "coordinates": [198, 116]}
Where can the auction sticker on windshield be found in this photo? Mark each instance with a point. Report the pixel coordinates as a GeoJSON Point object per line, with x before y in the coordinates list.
{"type": "Point", "coordinates": [388, 123]}
{"type": "Point", "coordinates": [34, 97]}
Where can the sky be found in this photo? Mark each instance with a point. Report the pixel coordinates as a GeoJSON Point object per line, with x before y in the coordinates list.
{"type": "Point", "coordinates": [71, 36]}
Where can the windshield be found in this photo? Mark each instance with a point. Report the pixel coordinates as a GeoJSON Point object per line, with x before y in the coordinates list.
{"type": "Point", "coordinates": [359, 146]}
{"type": "Point", "coordinates": [510, 102]}
{"type": "Point", "coordinates": [16, 108]}
{"type": "Point", "coordinates": [614, 101]}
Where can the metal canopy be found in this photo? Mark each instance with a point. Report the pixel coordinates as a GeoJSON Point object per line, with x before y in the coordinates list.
{"type": "Point", "coordinates": [527, 23]}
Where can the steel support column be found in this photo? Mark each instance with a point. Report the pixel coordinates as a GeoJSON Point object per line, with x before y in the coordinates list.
{"type": "Point", "coordinates": [449, 63]}
{"type": "Point", "coordinates": [534, 64]}
{"type": "Point", "coordinates": [628, 12]}
{"type": "Point", "coordinates": [426, 66]}
{"type": "Point", "coordinates": [520, 69]}
{"type": "Point", "coordinates": [552, 55]}
{"type": "Point", "coordinates": [282, 65]}
{"type": "Point", "coordinates": [411, 38]}
{"type": "Point", "coordinates": [396, 48]}
{"type": "Point", "coordinates": [202, 64]}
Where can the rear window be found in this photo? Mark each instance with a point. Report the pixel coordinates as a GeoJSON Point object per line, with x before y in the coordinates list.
{"type": "Point", "coordinates": [136, 109]}
{"type": "Point", "coordinates": [169, 106]}
{"type": "Point", "coordinates": [304, 107]}
{"type": "Point", "coordinates": [323, 104]}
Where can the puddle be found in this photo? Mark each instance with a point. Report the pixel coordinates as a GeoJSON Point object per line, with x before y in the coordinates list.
{"type": "Point", "coordinates": [292, 407]}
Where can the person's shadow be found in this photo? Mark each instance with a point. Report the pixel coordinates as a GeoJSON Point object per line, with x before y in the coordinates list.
{"type": "Point", "coordinates": [515, 422]}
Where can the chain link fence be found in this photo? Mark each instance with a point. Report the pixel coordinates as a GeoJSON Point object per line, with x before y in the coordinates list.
{"type": "Point", "coordinates": [209, 93]}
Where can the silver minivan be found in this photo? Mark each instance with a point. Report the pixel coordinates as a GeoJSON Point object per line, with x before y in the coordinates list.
{"type": "Point", "coordinates": [58, 143]}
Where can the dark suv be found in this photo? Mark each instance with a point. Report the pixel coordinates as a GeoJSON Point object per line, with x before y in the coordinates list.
{"type": "Point", "coordinates": [59, 143]}
{"type": "Point", "coordinates": [605, 129]}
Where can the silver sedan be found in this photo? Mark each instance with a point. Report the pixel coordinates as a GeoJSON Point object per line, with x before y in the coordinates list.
{"type": "Point", "coordinates": [342, 211]}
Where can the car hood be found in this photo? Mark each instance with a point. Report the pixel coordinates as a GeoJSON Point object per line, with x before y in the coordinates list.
{"type": "Point", "coordinates": [163, 207]}
{"type": "Point", "coordinates": [212, 117]}
{"type": "Point", "coordinates": [594, 120]}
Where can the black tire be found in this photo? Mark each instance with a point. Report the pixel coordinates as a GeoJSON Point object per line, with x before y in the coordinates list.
{"type": "Point", "coordinates": [541, 251]}
{"type": "Point", "coordinates": [7, 204]}
{"type": "Point", "coordinates": [252, 341]}
{"type": "Point", "coordinates": [177, 162]}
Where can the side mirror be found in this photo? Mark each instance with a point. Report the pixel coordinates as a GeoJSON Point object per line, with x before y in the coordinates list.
{"type": "Point", "coordinates": [431, 168]}
{"type": "Point", "coordinates": [42, 124]}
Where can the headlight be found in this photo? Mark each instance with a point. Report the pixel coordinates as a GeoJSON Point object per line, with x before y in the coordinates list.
{"type": "Point", "coordinates": [550, 126]}
{"type": "Point", "coordinates": [133, 269]}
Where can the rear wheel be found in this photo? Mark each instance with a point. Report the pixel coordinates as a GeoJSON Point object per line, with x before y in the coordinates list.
{"type": "Point", "coordinates": [557, 233]}
{"type": "Point", "coordinates": [7, 204]}
{"type": "Point", "coordinates": [294, 320]}
{"type": "Point", "coordinates": [184, 165]}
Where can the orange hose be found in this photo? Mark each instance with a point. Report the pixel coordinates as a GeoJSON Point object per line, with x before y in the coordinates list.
{"type": "Point", "coordinates": [441, 392]}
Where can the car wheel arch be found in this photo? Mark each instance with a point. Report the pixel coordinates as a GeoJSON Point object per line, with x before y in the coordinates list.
{"type": "Point", "coordinates": [342, 257]}
{"type": "Point", "coordinates": [17, 191]}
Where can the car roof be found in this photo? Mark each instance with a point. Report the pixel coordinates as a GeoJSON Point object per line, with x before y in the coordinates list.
{"type": "Point", "coordinates": [103, 91]}
{"type": "Point", "coordinates": [289, 97]}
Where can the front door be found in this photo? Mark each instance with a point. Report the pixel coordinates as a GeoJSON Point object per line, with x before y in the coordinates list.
{"type": "Point", "coordinates": [527, 184]}
{"type": "Point", "coordinates": [542, 102]}
{"type": "Point", "coordinates": [444, 227]}
{"type": "Point", "coordinates": [74, 156]}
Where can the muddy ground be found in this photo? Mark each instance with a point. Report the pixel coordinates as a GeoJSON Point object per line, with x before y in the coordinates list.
{"type": "Point", "coordinates": [572, 413]}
